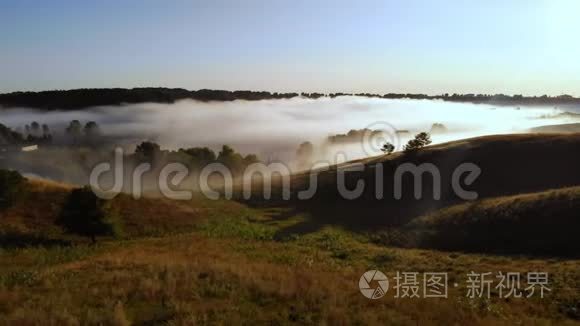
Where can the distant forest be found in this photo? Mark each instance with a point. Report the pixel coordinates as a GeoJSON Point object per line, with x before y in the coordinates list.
{"type": "Point", "coordinates": [82, 98]}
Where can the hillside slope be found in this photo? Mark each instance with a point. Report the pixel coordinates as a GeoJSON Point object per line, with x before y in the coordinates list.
{"type": "Point", "coordinates": [510, 165]}
{"type": "Point", "coordinates": [544, 223]}
{"type": "Point", "coordinates": [567, 128]}
{"type": "Point", "coordinates": [227, 264]}
{"type": "Point", "coordinates": [31, 219]}
{"type": "Point", "coordinates": [502, 221]}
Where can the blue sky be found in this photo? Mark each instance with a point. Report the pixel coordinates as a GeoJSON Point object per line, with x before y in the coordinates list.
{"type": "Point", "coordinates": [516, 46]}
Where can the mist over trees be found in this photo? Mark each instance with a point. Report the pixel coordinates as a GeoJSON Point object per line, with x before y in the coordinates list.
{"type": "Point", "coordinates": [195, 157]}
{"type": "Point", "coordinates": [92, 129]}
{"type": "Point", "coordinates": [79, 146]}
{"type": "Point", "coordinates": [89, 134]}
{"type": "Point", "coordinates": [9, 136]}
{"type": "Point", "coordinates": [304, 155]}
{"type": "Point", "coordinates": [438, 128]}
{"type": "Point", "coordinates": [35, 133]}
{"type": "Point", "coordinates": [353, 136]}
{"type": "Point", "coordinates": [74, 131]}
{"type": "Point", "coordinates": [199, 155]}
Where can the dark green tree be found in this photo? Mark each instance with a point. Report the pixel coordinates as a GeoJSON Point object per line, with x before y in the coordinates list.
{"type": "Point", "coordinates": [388, 148]}
{"type": "Point", "coordinates": [45, 130]}
{"type": "Point", "coordinates": [11, 187]}
{"type": "Point", "coordinates": [421, 140]}
{"type": "Point", "coordinates": [251, 159]}
{"type": "Point", "coordinates": [92, 133]}
{"type": "Point", "coordinates": [200, 155]}
{"type": "Point", "coordinates": [46, 136]}
{"type": "Point", "coordinates": [231, 159]}
{"type": "Point", "coordinates": [35, 128]}
{"type": "Point", "coordinates": [92, 129]}
{"type": "Point", "coordinates": [148, 149]}
{"type": "Point", "coordinates": [74, 131]}
{"type": "Point", "coordinates": [87, 215]}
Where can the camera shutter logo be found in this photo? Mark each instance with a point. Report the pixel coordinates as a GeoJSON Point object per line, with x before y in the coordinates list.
{"type": "Point", "coordinates": [381, 287]}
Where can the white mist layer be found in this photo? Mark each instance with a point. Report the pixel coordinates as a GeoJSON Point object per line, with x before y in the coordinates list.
{"type": "Point", "coordinates": [273, 129]}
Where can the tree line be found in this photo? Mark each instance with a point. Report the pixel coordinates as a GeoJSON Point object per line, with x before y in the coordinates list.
{"type": "Point", "coordinates": [88, 97]}
{"type": "Point", "coordinates": [35, 133]}
{"type": "Point", "coordinates": [194, 157]}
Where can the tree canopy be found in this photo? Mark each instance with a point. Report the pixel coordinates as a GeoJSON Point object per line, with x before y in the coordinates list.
{"type": "Point", "coordinates": [421, 140]}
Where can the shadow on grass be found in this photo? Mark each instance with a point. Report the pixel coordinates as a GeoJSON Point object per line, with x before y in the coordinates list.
{"type": "Point", "coordinates": [20, 240]}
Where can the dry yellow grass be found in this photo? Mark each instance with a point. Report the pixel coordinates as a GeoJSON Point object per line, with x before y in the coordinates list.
{"type": "Point", "coordinates": [39, 184]}
{"type": "Point", "coordinates": [193, 279]}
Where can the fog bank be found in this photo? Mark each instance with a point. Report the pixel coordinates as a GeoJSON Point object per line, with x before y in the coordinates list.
{"type": "Point", "coordinates": [273, 129]}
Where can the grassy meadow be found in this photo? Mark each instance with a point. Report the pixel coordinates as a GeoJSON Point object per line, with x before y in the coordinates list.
{"type": "Point", "coordinates": [222, 262]}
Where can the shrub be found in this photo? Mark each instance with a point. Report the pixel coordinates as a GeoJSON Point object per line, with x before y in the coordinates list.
{"type": "Point", "coordinates": [11, 187]}
{"type": "Point", "coordinates": [388, 148]}
{"type": "Point", "coordinates": [88, 215]}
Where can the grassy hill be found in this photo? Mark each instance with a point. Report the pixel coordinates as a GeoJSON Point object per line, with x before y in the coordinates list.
{"type": "Point", "coordinates": [519, 209]}
{"type": "Point", "coordinates": [510, 165]}
{"type": "Point", "coordinates": [560, 128]}
{"type": "Point", "coordinates": [218, 262]}
{"type": "Point", "coordinates": [32, 218]}
{"type": "Point", "coordinates": [215, 262]}
{"type": "Point", "coordinates": [544, 223]}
